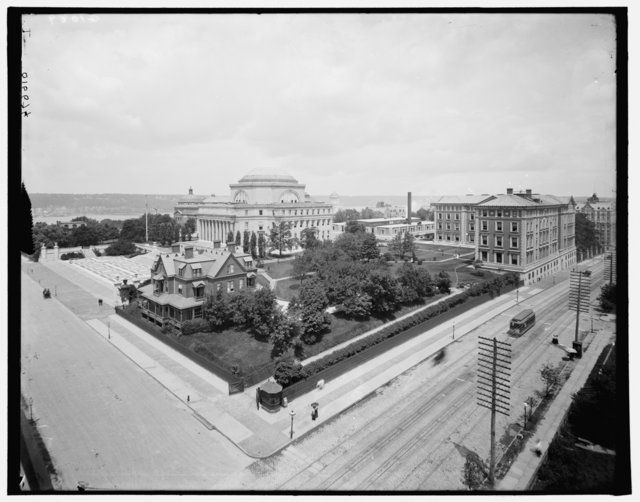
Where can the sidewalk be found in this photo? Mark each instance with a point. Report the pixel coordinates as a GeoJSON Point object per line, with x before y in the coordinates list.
{"type": "Point", "coordinates": [524, 469]}
{"type": "Point", "coordinates": [259, 433]}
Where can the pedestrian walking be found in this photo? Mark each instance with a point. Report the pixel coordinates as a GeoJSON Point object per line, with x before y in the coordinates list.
{"type": "Point", "coordinates": [538, 448]}
{"type": "Point", "coordinates": [258, 398]}
{"type": "Point", "coordinates": [188, 398]}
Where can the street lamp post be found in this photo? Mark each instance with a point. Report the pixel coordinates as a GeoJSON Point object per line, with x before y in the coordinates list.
{"type": "Point", "coordinates": [525, 416]}
{"type": "Point", "coordinates": [109, 329]}
{"type": "Point", "coordinates": [453, 333]}
{"type": "Point", "coordinates": [293, 414]}
{"type": "Point", "coordinates": [517, 296]}
{"type": "Point", "coordinates": [31, 409]}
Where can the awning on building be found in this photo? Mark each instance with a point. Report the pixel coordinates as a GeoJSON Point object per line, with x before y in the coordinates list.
{"type": "Point", "coordinates": [196, 266]}
{"type": "Point", "coordinates": [197, 284]}
{"type": "Point", "coordinates": [251, 275]}
{"type": "Point", "coordinates": [182, 266]}
{"type": "Point", "coordinates": [158, 277]}
{"type": "Point", "coordinates": [248, 258]}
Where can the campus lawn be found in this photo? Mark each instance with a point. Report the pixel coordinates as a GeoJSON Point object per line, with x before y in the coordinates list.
{"type": "Point", "coordinates": [233, 347]}
{"type": "Point", "coordinates": [279, 270]}
{"type": "Point", "coordinates": [287, 289]}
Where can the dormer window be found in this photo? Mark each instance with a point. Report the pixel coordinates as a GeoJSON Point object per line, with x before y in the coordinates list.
{"type": "Point", "coordinates": [230, 269]}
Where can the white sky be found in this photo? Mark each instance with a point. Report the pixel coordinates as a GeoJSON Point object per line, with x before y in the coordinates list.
{"type": "Point", "coordinates": [357, 104]}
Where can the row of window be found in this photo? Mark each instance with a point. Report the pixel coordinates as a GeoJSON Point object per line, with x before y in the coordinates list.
{"type": "Point", "coordinates": [498, 226]}
{"type": "Point", "coordinates": [456, 216]}
{"type": "Point", "coordinates": [295, 212]}
{"type": "Point", "coordinates": [498, 241]}
{"type": "Point", "coordinates": [500, 213]}
{"type": "Point", "coordinates": [499, 257]}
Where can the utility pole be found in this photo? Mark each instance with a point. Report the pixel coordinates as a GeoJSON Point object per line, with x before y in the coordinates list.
{"type": "Point", "coordinates": [494, 370]}
{"type": "Point", "coordinates": [579, 287]}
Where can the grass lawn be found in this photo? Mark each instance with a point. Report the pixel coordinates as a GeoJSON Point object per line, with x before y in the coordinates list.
{"type": "Point", "coordinates": [279, 270]}
{"type": "Point", "coordinates": [287, 289]}
{"type": "Point", "coordinates": [233, 347]}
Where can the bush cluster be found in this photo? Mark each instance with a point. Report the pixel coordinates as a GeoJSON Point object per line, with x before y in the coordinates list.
{"type": "Point", "coordinates": [72, 255]}
{"type": "Point", "coordinates": [195, 326]}
{"type": "Point", "coordinates": [396, 328]}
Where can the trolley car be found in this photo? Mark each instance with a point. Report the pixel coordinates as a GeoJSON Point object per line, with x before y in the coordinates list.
{"type": "Point", "coordinates": [522, 322]}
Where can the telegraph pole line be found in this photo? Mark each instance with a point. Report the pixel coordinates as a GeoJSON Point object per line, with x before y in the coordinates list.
{"type": "Point", "coordinates": [580, 285]}
{"type": "Point", "coordinates": [494, 371]}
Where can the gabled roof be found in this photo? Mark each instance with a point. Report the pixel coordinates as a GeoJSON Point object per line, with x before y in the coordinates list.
{"type": "Point", "coordinates": [504, 200]}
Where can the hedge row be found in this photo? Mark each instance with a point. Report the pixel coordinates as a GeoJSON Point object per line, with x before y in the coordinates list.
{"type": "Point", "coordinates": [392, 330]}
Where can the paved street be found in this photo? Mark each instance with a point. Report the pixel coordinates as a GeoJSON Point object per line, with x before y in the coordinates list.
{"type": "Point", "coordinates": [414, 433]}
{"type": "Point", "coordinates": [108, 423]}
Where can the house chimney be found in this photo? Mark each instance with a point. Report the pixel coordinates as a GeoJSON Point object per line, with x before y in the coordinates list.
{"type": "Point", "coordinates": [509, 191]}
{"type": "Point", "coordinates": [188, 252]}
{"type": "Point", "coordinates": [231, 247]}
{"type": "Point", "coordinates": [409, 208]}
{"type": "Point", "coordinates": [528, 192]}
{"type": "Point", "coordinates": [190, 191]}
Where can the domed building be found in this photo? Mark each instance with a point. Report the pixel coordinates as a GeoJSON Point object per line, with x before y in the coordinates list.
{"type": "Point", "coordinates": [258, 201]}
{"type": "Point", "coordinates": [188, 206]}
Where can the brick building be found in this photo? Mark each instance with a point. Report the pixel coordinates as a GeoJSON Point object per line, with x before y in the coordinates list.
{"type": "Point", "coordinates": [455, 219]}
{"type": "Point", "coordinates": [603, 215]}
{"type": "Point", "coordinates": [530, 234]}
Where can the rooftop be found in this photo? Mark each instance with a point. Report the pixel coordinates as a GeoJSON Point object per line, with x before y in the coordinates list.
{"type": "Point", "coordinates": [461, 199]}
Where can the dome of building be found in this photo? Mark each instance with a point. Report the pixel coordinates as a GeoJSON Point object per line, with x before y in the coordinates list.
{"type": "Point", "coordinates": [267, 175]}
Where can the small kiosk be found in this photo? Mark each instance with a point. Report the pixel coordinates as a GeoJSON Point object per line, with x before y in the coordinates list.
{"type": "Point", "coordinates": [271, 396]}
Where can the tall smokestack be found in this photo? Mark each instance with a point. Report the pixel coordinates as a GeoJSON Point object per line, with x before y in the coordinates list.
{"type": "Point", "coordinates": [409, 208]}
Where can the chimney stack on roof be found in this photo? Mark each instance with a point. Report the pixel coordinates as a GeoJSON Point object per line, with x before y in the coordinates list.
{"type": "Point", "coordinates": [231, 247]}
{"type": "Point", "coordinates": [409, 208]}
{"type": "Point", "coordinates": [528, 192]}
{"type": "Point", "coordinates": [509, 191]}
{"type": "Point", "coordinates": [188, 252]}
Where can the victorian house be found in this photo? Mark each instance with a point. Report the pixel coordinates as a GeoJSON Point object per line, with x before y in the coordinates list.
{"type": "Point", "coordinates": [182, 280]}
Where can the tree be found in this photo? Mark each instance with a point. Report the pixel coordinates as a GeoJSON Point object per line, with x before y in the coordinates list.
{"type": "Point", "coordinates": [262, 311]}
{"type": "Point", "coordinates": [443, 282]}
{"type": "Point", "coordinates": [133, 230]}
{"type": "Point", "coordinates": [415, 283]}
{"type": "Point", "coordinates": [586, 236]}
{"type": "Point", "coordinates": [288, 372]}
{"type": "Point", "coordinates": [384, 291]}
{"type": "Point", "coordinates": [424, 214]}
{"type": "Point", "coordinates": [246, 242]}
{"type": "Point", "coordinates": [357, 305]}
{"type": "Point", "coordinates": [190, 226]}
{"type": "Point", "coordinates": [368, 213]}
{"type": "Point", "coordinates": [396, 246]}
{"type": "Point", "coordinates": [311, 304]}
{"type": "Point", "coordinates": [349, 244]}
{"type": "Point", "coordinates": [253, 243]}
{"type": "Point", "coordinates": [550, 375]}
{"type": "Point", "coordinates": [85, 235]}
{"type": "Point", "coordinates": [121, 247]}
{"type": "Point", "coordinates": [369, 249]}
{"type": "Point", "coordinates": [346, 215]}
{"type": "Point", "coordinates": [308, 238]}
{"type": "Point", "coordinates": [261, 246]}
{"type": "Point", "coordinates": [473, 472]}
{"type": "Point", "coordinates": [302, 265]}
{"type": "Point", "coordinates": [380, 203]}
{"type": "Point", "coordinates": [608, 297]}
{"type": "Point", "coordinates": [218, 312]}
{"type": "Point", "coordinates": [26, 226]}
{"type": "Point", "coordinates": [280, 236]}
{"type": "Point", "coordinates": [230, 236]}
{"type": "Point", "coordinates": [354, 227]}
{"type": "Point", "coordinates": [408, 244]}
{"type": "Point", "coordinates": [283, 335]}
{"type": "Point", "coordinates": [128, 292]}
{"type": "Point", "coordinates": [238, 239]}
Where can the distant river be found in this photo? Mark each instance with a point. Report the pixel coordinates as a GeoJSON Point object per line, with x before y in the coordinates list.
{"type": "Point", "coordinates": [99, 217]}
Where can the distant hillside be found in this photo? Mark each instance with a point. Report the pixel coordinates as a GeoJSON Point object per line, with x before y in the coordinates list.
{"type": "Point", "coordinates": [57, 204]}
{"type": "Point", "coordinates": [61, 205]}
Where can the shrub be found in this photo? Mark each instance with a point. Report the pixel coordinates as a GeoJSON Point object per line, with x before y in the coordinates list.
{"type": "Point", "coordinates": [288, 372]}
{"type": "Point", "coordinates": [72, 255]}
{"type": "Point", "coordinates": [195, 326]}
